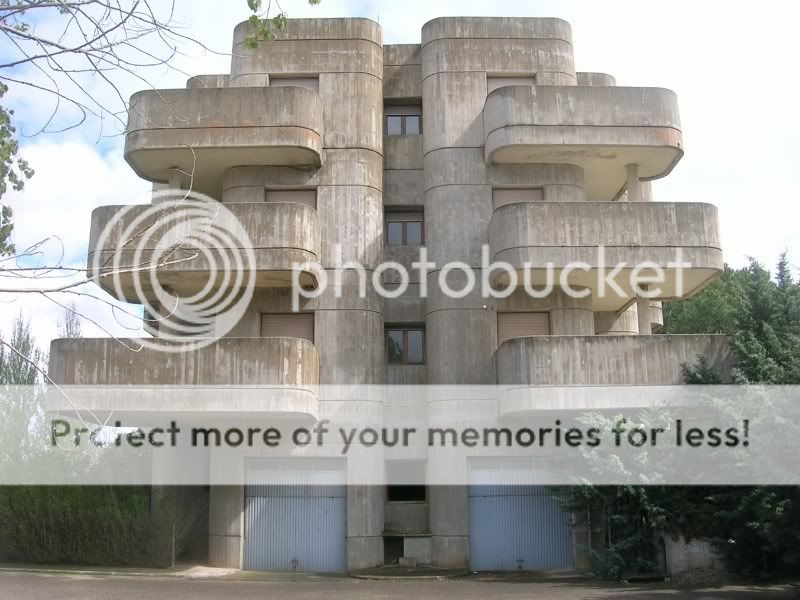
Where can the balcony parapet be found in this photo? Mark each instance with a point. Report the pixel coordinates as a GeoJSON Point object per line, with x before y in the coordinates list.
{"type": "Point", "coordinates": [205, 131]}
{"type": "Point", "coordinates": [651, 360]}
{"type": "Point", "coordinates": [283, 234]}
{"type": "Point", "coordinates": [280, 362]}
{"type": "Point", "coordinates": [601, 129]}
{"type": "Point", "coordinates": [533, 235]}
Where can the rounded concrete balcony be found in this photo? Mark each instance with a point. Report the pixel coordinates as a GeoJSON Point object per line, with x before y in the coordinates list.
{"type": "Point", "coordinates": [208, 130]}
{"type": "Point", "coordinates": [601, 129]}
{"type": "Point", "coordinates": [653, 360]}
{"type": "Point", "coordinates": [283, 235]}
{"type": "Point", "coordinates": [289, 364]}
{"type": "Point", "coordinates": [532, 236]}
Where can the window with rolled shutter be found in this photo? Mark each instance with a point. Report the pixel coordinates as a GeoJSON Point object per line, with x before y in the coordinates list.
{"type": "Point", "coordinates": [297, 325]}
{"type": "Point", "coordinates": [521, 324]}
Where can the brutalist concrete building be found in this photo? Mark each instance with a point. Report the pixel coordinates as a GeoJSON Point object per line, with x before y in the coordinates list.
{"type": "Point", "coordinates": [329, 145]}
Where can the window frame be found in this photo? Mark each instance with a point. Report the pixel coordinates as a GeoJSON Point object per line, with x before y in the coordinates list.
{"type": "Point", "coordinates": [405, 329]}
{"type": "Point", "coordinates": [403, 218]}
{"type": "Point", "coordinates": [403, 128]}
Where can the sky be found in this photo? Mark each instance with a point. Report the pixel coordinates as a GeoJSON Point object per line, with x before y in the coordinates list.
{"type": "Point", "coordinates": [733, 66]}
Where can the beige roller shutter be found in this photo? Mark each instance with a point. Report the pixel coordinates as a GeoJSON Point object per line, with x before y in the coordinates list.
{"type": "Point", "coordinates": [509, 196]}
{"type": "Point", "coordinates": [521, 324]}
{"type": "Point", "coordinates": [297, 325]}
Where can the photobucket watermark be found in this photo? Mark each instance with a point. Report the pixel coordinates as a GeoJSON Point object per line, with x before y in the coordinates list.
{"type": "Point", "coordinates": [494, 279]}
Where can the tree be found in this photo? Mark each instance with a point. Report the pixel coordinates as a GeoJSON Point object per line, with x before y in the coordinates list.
{"type": "Point", "coordinates": [756, 529]}
{"type": "Point", "coordinates": [20, 358]}
{"type": "Point", "coordinates": [69, 325]}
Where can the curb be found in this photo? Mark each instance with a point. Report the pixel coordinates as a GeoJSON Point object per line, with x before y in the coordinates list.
{"type": "Point", "coordinates": [410, 577]}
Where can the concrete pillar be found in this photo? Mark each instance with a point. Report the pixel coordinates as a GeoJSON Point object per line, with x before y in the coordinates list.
{"type": "Point", "coordinates": [456, 57]}
{"type": "Point", "coordinates": [571, 316]}
{"type": "Point", "coordinates": [225, 526]}
{"type": "Point", "coordinates": [617, 323]}
{"type": "Point", "coordinates": [643, 309]}
{"type": "Point", "coordinates": [634, 185]}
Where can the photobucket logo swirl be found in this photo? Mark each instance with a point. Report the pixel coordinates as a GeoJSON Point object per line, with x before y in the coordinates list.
{"type": "Point", "coordinates": [186, 258]}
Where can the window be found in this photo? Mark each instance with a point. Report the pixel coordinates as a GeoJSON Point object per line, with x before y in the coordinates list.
{"type": "Point", "coordinates": [511, 196]}
{"type": "Point", "coordinates": [297, 325]}
{"type": "Point", "coordinates": [521, 324]}
{"type": "Point", "coordinates": [405, 228]}
{"type": "Point", "coordinates": [403, 120]}
{"type": "Point", "coordinates": [405, 346]}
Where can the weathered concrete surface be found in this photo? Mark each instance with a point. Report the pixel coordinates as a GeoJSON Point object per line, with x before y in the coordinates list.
{"type": "Point", "coordinates": [596, 79]}
{"type": "Point", "coordinates": [227, 361]}
{"type": "Point", "coordinates": [533, 235]}
{"type": "Point", "coordinates": [402, 72]}
{"type": "Point", "coordinates": [403, 518]}
{"type": "Point", "coordinates": [601, 129]}
{"type": "Point", "coordinates": [216, 80]}
{"type": "Point", "coordinates": [207, 130]}
{"type": "Point", "coordinates": [283, 234]}
{"type": "Point", "coordinates": [608, 360]}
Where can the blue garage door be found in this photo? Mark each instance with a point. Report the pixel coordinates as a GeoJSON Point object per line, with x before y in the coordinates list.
{"type": "Point", "coordinates": [516, 527]}
{"type": "Point", "coordinates": [295, 516]}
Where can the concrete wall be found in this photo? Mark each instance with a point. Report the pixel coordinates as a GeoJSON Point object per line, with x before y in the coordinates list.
{"type": "Point", "coordinates": [607, 360]}
{"type": "Point", "coordinates": [228, 361]}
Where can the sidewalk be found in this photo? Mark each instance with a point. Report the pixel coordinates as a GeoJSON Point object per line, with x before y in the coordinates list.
{"type": "Point", "coordinates": [185, 571]}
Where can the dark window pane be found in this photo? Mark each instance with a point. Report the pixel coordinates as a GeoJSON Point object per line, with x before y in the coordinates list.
{"type": "Point", "coordinates": [394, 234]}
{"type": "Point", "coordinates": [414, 234]}
{"type": "Point", "coordinates": [412, 124]}
{"type": "Point", "coordinates": [395, 345]}
{"type": "Point", "coordinates": [394, 125]}
{"type": "Point", "coordinates": [416, 352]}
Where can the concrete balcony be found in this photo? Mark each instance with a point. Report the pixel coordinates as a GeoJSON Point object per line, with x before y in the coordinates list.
{"type": "Point", "coordinates": [532, 235]}
{"type": "Point", "coordinates": [283, 234]}
{"type": "Point", "coordinates": [260, 363]}
{"type": "Point", "coordinates": [601, 129]}
{"type": "Point", "coordinates": [207, 130]}
{"type": "Point", "coordinates": [653, 360]}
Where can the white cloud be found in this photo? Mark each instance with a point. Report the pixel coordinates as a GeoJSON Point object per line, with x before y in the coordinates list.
{"type": "Point", "coordinates": [72, 178]}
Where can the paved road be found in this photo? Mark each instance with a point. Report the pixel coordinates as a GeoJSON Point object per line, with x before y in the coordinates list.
{"type": "Point", "coordinates": [26, 586]}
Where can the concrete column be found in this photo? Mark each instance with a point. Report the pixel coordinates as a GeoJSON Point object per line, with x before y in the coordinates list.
{"type": "Point", "coordinates": [634, 185]}
{"type": "Point", "coordinates": [643, 309]}
{"type": "Point", "coordinates": [225, 519]}
{"type": "Point", "coordinates": [571, 316]}
{"type": "Point", "coordinates": [617, 323]}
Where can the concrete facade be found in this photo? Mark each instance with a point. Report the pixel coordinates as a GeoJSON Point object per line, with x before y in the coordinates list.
{"type": "Point", "coordinates": [501, 108]}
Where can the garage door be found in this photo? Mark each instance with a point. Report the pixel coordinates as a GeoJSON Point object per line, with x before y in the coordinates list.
{"type": "Point", "coordinates": [295, 516]}
{"type": "Point", "coordinates": [515, 527]}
